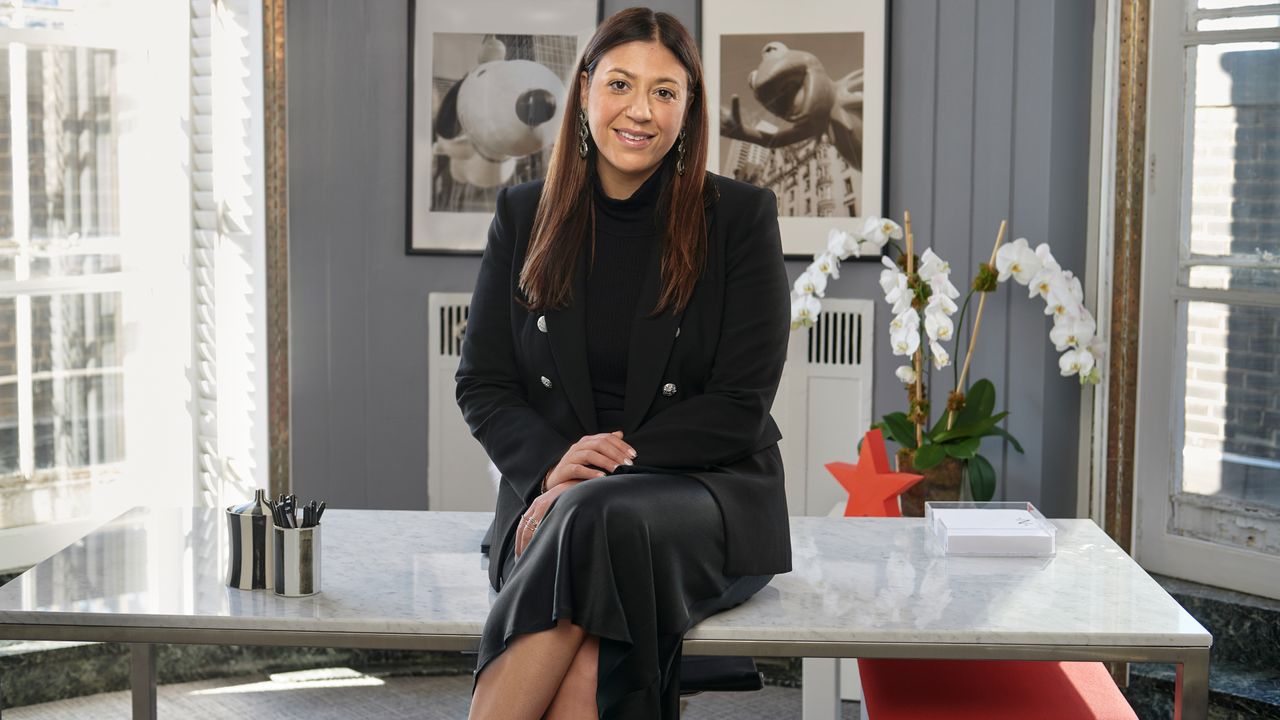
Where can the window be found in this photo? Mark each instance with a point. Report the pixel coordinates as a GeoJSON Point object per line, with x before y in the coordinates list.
{"type": "Point", "coordinates": [61, 289]}
{"type": "Point", "coordinates": [1208, 454]}
{"type": "Point", "coordinates": [1230, 250]}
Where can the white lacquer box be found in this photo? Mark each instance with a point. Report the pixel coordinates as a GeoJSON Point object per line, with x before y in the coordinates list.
{"type": "Point", "coordinates": [1014, 529]}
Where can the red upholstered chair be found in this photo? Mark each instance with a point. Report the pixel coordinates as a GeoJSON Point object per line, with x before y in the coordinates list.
{"type": "Point", "coordinates": [990, 690]}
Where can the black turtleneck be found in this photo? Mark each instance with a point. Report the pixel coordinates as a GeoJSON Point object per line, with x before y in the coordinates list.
{"type": "Point", "coordinates": [626, 234]}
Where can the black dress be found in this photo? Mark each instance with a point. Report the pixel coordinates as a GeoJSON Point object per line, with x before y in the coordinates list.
{"type": "Point", "coordinates": [634, 558]}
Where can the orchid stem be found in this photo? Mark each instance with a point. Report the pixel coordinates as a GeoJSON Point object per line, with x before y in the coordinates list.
{"type": "Point", "coordinates": [964, 311]}
{"type": "Point", "coordinates": [911, 269]}
{"type": "Point", "coordinates": [977, 323]}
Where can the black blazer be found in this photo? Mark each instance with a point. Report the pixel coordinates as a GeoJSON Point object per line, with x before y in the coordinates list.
{"type": "Point", "coordinates": [699, 383]}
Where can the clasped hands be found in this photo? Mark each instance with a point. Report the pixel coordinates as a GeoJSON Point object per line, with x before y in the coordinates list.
{"type": "Point", "coordinates": [583, 460]}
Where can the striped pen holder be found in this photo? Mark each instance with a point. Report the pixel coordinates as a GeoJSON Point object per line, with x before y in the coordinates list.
{"type": "Point", "coordinates": [297, 561]}
{"type": "Point", "coordinates": [250, 562]}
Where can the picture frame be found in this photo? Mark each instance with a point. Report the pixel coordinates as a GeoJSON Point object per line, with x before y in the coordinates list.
{"type": "Point", "coordinates": [801, 92]}
{"type": "Point", "coordinates": [467, 60]}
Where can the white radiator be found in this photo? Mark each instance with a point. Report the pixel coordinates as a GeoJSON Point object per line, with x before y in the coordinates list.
{"type": "Point", "coordinates": [823, 407]}
{"type": "Point", "coordinates": [459, 474]}
{"type": "Point", "coordinates": [824, 401]}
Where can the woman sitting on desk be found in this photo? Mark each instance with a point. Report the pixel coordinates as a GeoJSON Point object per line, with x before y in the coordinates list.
{"type": "Point", "coordinates": [624, 345]}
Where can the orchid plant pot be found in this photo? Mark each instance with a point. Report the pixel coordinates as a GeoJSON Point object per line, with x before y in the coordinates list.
{"type": "Point", "coordinates": [941, 483]}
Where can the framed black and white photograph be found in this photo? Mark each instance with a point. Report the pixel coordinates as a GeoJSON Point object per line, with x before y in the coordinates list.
{"type": "Point", "coordinates": [799, 88]}
{"type": "Point", "coordinates": [487, 87]}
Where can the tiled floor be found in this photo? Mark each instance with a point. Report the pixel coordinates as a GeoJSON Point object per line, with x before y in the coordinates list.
{"type": "Point", "coordinates": [347, 694]}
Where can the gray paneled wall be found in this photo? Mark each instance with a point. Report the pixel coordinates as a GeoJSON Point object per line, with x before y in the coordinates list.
{"type": "Point", "coordinates": [989, 116]}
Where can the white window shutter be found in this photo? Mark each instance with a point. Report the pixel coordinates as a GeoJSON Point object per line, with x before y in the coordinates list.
{"type": "Point", "coordinates": [228, 250]}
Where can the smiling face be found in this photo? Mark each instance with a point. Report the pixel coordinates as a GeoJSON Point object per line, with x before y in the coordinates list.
{"type": "Point", "coordinates": [635, 104]}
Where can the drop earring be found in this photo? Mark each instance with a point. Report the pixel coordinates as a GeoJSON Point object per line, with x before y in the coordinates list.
{"type": "Point", "coordinates": [582, 133]}
{"type": "Point", "coordinates": [680, 152]}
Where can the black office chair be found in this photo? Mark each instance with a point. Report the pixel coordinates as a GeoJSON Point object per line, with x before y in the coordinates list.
{"type": "Point", "coordinates": [719, 674]}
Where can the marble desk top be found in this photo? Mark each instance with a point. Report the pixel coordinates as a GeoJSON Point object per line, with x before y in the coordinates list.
{"type": "Point", "coordinates": [420, 573]}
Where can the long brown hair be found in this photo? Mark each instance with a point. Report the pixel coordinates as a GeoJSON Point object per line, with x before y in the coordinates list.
{"type": "Point", "coordinates": [564, 218]}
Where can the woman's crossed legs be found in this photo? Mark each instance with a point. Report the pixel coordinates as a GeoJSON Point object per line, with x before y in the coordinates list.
{"type": "Point", "coordinates": [549, 674]}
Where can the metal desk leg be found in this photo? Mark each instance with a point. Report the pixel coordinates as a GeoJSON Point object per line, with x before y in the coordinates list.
{"type": "Point", "coordinates": [1191, 691]}
{"type": "Point", "coordinates": [143, 679]}
{"type": "Point", "coordinates": [820, 698]}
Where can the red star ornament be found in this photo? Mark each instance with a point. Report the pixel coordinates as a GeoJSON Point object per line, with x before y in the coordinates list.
{"type": "Point", "coordinates": [873, 487]}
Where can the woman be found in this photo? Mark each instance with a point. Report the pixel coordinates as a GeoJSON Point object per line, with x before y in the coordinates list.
{"type": "Point", "coordinates": [624, 345]}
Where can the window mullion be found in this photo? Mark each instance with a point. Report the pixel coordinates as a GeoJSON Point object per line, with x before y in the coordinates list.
{"type": "Point", "coordinates": [1233, 12]}
{"type": "Point", "coordinates": [1219, 37]}
{"type": "Point", "coordinates": [26, 401]}
{"type": "Point", "coordinates": [1228, 297]}
{"type": "Point", "coordinates": [22, 261]}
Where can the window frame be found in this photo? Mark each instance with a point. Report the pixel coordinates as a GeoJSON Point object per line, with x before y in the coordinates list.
{"type": "Point", "coordinates": [1163, 343]}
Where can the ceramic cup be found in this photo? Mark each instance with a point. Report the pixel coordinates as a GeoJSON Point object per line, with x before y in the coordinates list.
{"type": "Point", "coordinates": [250, 561]}
{"type": "Point", "coordinates": [297, 561]}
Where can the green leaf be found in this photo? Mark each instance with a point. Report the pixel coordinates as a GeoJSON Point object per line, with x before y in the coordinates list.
{"type": "Point", "coordinates": [901, 429]}
{"type": "Point", "coordinates": [940, 425]}
{"type": "Point", "coordinates": [982, 479]}
{"type": "Point", "coordinates": [1001, 432]}
{"type": "Point", "coordinates": [978, 403]}
{"type": "Point", "coordinates": [973, 430]}
{"type": "Point", "coordinates": [928, 456]}
{"type": "Point", "coordinates": [963, 449]}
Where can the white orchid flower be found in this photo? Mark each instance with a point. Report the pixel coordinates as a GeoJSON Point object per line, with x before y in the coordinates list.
{"type": "Point", "coordinates": [1072, 331]}
{"type": "Point", "coordinates": [1027, 264]}
{"type": "Point", "coordinates": [825, 263]}
{"type": "Point", "coordinates": [1006, 257]}
{"type": "Point", "coordinates": [899, 295]}
{"type": "Point", "coordinates": [1042, 282]}
{"type": "Point", "coordinates": [937, 325]}
{"type": "Point", "coordinates": [936, 272]}
{"type": "Point", "coordinates": [941, 285]}
{"type": "Point", "coordinates": [888, 281]}
{"type": "Point", "coordinates": [902, 303]}
{"type": "Point", "coordinates": [942, 303]}
{"type": "Point", "coordinates": [840, 243]}
{"type": "Point", "coordinates": [1098, 348]}
{"type": "Point", "coordinates": [1075, 361]}
{"type": "Point", "coordinates": [905, 341]}
{"type": "Point", "coordinates": [1065, 296]}
{"type": "Point", "coordinates": [1073, 282]}
{"type": "Point", "coordinates": [878, 231]}
{"type": "Point", "coordinates": [889, 276]}
{"type": "Point", "coordinates": [1017, 260]}
{"type": "Point", "coordinates": [940, 357]}
{"type": "Point", "coordinates": [932, 265]}
{"type": "Point", "coordinates": [811, 283]}
{"type": "Point", "coordinates": [866, 247]}
{"type": "Point", "coordinates": [906, 374]}
{"type": "Point", "coordinates": [1046, 257]}
{"type": "Point", "coordinates": [1049, 267]}
{"type": "Point", "coordinates": [908, 320]}
{"type": "Point", "coordinates": [804, 310]}
{"type": "Point", "coordinates": [1098, 351]}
